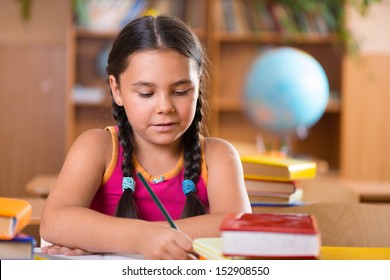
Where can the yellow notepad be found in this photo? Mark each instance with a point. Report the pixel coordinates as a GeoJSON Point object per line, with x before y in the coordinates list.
{"type": "Point", "coordinates": [209, 248]}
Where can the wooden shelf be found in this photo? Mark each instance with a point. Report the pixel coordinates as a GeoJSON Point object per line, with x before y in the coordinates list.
{"type": "Point", "coordinates": [274, 38]}
{"type": "Point", "coordinates": [232, 105]}
{"type": "Point", "coordinates": [103, 104]}
{"type": "Point", "coordinates": [95, 34]}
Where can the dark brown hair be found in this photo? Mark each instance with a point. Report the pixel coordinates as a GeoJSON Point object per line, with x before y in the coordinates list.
{"type": "Point", "coordinates": [151, 33]}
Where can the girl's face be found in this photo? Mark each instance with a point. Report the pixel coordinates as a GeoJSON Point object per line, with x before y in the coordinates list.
{"type": "Point", "coordinates": [158, 90]}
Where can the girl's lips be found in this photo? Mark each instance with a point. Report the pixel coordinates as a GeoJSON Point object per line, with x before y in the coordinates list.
{"type": "Point", "coordinates": [164, 127]}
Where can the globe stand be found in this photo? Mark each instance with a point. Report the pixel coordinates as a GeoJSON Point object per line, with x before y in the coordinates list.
{"type": "Point", "coordinates": [274, 145]}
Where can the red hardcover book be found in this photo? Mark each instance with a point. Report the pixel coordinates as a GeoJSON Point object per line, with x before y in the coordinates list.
{"type": "Point", "coordinates": [272, 235]}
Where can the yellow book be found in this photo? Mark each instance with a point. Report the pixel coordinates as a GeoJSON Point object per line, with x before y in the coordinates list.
{"type": "Point", "coordinates": [268, 167]}
{"type": "Point", "coordinates": [354, 253]}
{"type": "Point", "coordinates": [15, 214]}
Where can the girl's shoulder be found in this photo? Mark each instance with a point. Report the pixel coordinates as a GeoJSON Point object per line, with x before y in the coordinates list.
{"type": "Point", "coordinates": [216, 147]}
{"type": "Point", "coordinates": [98, 136]}
{"type": "Point", "coordinates": [94, 141]}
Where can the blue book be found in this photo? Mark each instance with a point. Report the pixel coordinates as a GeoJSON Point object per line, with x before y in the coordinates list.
{"type": "Point", "coordinates": [21, 247]}
{"type": "Point", "coordinates": [276, 204]}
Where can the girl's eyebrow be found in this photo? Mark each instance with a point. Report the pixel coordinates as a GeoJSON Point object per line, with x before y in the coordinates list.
{"type": "Point", "coordinates": [185, 81]}
{"type": "Point", "coordinates": [150, 84]}
{"type": "Point", "coordinates": [143, 83]}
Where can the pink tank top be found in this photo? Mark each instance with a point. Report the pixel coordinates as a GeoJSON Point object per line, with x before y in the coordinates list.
{"type": "Point", "coordinates": [168, 190]}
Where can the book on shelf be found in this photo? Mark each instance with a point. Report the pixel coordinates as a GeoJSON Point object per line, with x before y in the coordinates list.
{"type": "Point", "coordinates": [255, 186]}
{"type": "Point", "coordinates": [283, 18]}
{"type": "Point", "coordinates": [229, 20]}
{"type": "Point", "coordinates": [267, 22]}
{"type": "Point", "coordinates": [276, 168]}
{"type": "Point", "coordinates": [253, 20]}
{"type": "Point", "coordinates": [240, 19]}
{"type": "Point", "coordinates": [21, 247]}
{"type": "Point", "coordinates": [276, 198]}
{"type": "Point", "coordinates": [273, 235]}
{"type": "Point", "coordinates": [15, 214]}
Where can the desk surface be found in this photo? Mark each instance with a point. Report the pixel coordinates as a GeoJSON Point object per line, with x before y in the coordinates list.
{"type": "Point", "coordinates": [326, 253]}
{"type": "Point", "coordinates": [346, 224]}
{"type": "Point", "coordinates": [37, 205]}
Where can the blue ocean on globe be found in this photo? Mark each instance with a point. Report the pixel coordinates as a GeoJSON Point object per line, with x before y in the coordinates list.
{"type": "Point", "coordinates": [286, 90]}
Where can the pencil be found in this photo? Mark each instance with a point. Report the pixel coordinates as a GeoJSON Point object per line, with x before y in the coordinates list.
{"type": "Point", "coordinates": [162, 208]}
{"type": "Point", "coordinates": [157, 201]}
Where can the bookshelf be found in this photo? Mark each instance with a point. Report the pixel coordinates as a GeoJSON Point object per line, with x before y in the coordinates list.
{"type": "Point", "coordinates": [91, 104]}
{"type": "Point", "coordinates": [234, 41]}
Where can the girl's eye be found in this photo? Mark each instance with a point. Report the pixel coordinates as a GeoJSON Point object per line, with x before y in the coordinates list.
{"type": "Point", "coordinates": [145, 94]}
{"type": "Point", "coordinates": [181, 92]}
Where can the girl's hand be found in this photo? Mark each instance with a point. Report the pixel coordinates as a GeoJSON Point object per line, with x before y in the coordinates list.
{"type": "Point", "coordinates": [60, 250]}
{"type": "Point", "coordinates": [166, 243]}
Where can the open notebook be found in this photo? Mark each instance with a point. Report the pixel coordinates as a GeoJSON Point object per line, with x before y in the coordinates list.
{"type": "Point", "coordinates": [38, 255]}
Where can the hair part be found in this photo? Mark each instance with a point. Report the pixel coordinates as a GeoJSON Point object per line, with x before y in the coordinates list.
{"type": "Point", "coordinates": [154, 33]}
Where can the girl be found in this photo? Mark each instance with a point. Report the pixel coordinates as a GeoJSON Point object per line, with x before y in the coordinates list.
{"type": "Point", "coordinates": [157, 77]}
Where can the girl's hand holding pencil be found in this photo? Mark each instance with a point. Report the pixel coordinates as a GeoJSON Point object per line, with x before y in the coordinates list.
{"type": "Point", "coordinates": [175, 245]}
{"type": "Point", "coordinates": [162, 242]}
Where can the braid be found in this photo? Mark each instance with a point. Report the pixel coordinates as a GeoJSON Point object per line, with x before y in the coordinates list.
{"type": "Point", "coordinates": [126, 207]}
{"type": "Point", "coordinates": [192, 164]}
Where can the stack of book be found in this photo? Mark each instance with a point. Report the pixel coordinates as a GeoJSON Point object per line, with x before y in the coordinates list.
{"type": "Point", "coordinates": [273, 180]}
{"type": "Point", "coordinates": [263, 236]}
{"type": "Point", "coordinates": [15, 214]}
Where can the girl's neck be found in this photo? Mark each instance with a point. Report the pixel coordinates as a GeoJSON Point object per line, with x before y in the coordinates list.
{"type": "Point", "coordinates": [158, 159]}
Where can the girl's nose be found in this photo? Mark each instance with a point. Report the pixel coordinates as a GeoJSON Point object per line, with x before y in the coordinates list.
{"type": "Point", "coordinates": [164, 104]}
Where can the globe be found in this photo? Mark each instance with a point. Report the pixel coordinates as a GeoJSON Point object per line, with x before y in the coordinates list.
{"type": "Point", "coordinates": [286, 90]}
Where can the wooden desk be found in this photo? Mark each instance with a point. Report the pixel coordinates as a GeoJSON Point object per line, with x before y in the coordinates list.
{"type": "Point", "coordinates": [327, 253]}
{"type": "Point", "coordinates": [315, 190]}
{"type": "Point", "coordinates": [346, 224]}
{"type": "Point", "coordinates": [368, 191]}
{"type": "Point", "coordinates": [40, 185]}
{"type": "Point", "coordinates": [37, 205]}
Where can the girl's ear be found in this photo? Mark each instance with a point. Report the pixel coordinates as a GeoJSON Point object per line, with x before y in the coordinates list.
{"type": "Point", "coordinates": [115, 90]}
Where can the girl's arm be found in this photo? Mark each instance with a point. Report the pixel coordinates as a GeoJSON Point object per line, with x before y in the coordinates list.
{"type": "Point", "coordinates": [68, 221]}
{"type": "Point", "coordinates": [225, 188]}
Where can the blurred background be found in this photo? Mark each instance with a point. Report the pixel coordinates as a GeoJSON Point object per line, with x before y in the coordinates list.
{"type": "Point", "coordinates": [53, 85]}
